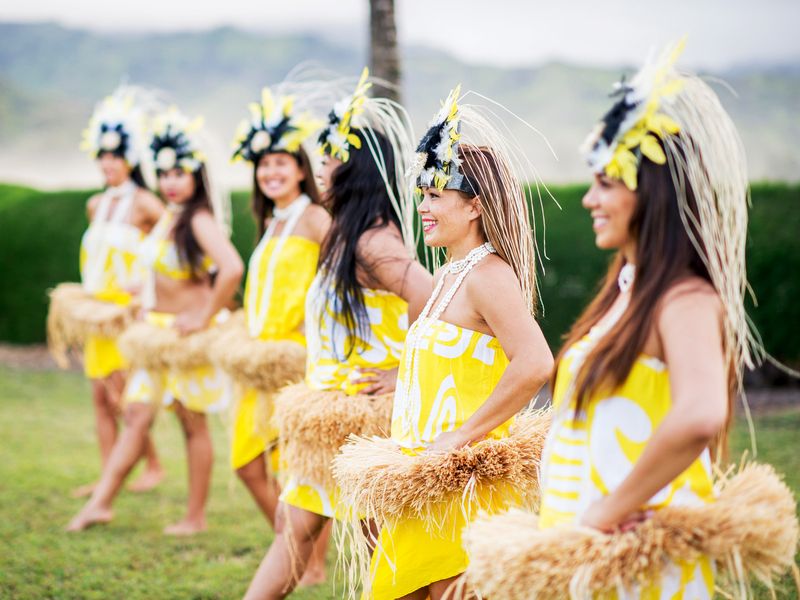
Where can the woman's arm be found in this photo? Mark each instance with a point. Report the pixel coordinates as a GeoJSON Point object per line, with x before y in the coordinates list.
{"type": "Point", "coordinates": [319, 222]}
{"type": "Point", "coordinates": [391, 268]}
{"type": "Point", "coordinates": [689, 329]}
{"type": "Point", "coordinates": [230, 268]}
{"type": "Point", "coordinates": [388, 263]}
{"type": "Point", "coordinates": [493, 290]}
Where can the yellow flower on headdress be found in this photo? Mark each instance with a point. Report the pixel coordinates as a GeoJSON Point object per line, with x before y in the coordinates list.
{"type": "Point", "coordinates": [636, 122]}
{"type": "Point", "coordinates": [272, 127]}
{"type": "Point", "coordinates": [437, 153]}
{"type": "Point", "coordinates": [337, 138]}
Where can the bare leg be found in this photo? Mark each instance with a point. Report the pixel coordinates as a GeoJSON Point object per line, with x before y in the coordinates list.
{"type": "Point", "coordinates": [315, 571]}
{"type": "Point", "coordinates": [200, 456]}
{"type": "Point", "coordinates": [442, 589]}
{"type": "Point", "coordinates": [438, 590]}
{"type": "Point", "coordinates": [420, 594]}
{"type": "Point", "coordinates": [277, 574]}
{"type": "Point", "coordinates": [263, 487]}
{"type": "Point", "coordinates": [266, 490]}
{"type": "Point", "coordinates": [153, 473]}
{"type": "Point", "coordinates": [138, 419]}
{"type": "Point", "coordinates": [105, 424]}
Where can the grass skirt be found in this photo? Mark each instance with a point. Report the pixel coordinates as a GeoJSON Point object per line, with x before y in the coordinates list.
{"type": "Point", "coordinates": [157, 346]}
{"type": "Point", "coordinates": [313, 424]}
{"type": "Point", "coordinates": [402, 491]}
{"type": "Point", "coordinates": [751, 531]}
{"type": "Point", "coordinates": [75, 315]}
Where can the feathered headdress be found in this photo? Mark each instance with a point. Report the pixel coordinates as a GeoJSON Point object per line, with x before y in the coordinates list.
{"type": "Point", "coordinates": [437, 162]}
{"type": "Point", "coordinates": [117, 126]}
{"type": "Point", "coordinates": [637, 121]}
{"type": "Point", "coordinates": [173, 144]}
{"type": "Point", "coordinates": [273, 127]}
{"type": "Point", "coordinates": [336, 138]}
{"type": "Point", "coordinates": [479, 135]}
{"type": "Point", "coordinates": [179, 142]}
{"type": "Point", "coordinates": [358, 120]}
{"type": "Point", "coordinates": [676, 119]}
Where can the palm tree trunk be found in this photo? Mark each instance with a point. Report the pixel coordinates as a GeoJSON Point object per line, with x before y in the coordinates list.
{"type": "Point", "coordinates": [384, 57]}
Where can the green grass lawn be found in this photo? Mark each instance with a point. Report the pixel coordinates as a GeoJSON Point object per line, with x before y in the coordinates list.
{"type": "Point", "coordinates": [48, 447]}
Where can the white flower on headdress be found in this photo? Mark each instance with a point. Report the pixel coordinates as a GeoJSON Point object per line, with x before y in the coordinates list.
{"type": "Point", "coordinates": [110, 140]}
{"type": "Point", "coordinates": [426, 177]}
{"type": "Point", "coordinates": [260, 141]}
{"type": "Point", "coordinates": [273, 126]}
{"type": "Point", "coordinates": [166, 158]}
{"type": "Point", "coordinates": [417, 165]}
{"type": "Point", "coordinates": [174, 144]}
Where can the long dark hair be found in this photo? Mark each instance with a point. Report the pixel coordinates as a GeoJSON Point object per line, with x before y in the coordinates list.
{"type": "Point", "coordinates": [263, 205]}
{"type": "Point", "coordinates": [358, 201]}
{"type": "Point", "coordinates": [138, 177]}
{"type": "Point", "coordinates": [189, 251]}
{"type": "Point", "coordinates": [665, 255]}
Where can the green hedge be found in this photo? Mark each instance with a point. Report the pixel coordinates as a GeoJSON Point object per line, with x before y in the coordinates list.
{"type": "Point", "coordinates": [40, 234]}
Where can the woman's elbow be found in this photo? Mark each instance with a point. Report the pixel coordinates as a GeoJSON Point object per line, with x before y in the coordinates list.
{"type": "Point", "coordinates": [236, 270]}
{"type": "Point", "coordinates": [538, 369]}
{"type": "Point", "coordinates": [705, 426]}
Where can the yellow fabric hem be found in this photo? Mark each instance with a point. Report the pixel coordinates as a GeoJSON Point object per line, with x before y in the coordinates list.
{"type": "Point", "coordinates": [102, 357]}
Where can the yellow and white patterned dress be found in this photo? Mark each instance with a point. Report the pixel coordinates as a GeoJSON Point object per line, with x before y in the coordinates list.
{"type": "Point", "coordinates": [588, 457]}
{"type": "Point", "coordinates": [293, 269]}
{"type": "Point", "coordinates": [453, 372]}
{"type": "Point", "coordinates": [109, 267]}
{"type": "Point", "coordinates": [328, 369]}
{"type": "Point", "coordinates": [203, 389]}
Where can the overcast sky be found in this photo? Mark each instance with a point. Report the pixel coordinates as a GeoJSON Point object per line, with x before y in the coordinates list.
{"type": "Point", "coordinates": [503, 32]}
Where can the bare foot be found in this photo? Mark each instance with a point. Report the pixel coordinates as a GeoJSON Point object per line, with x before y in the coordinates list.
{"type": "Point", "coordinates": [312, 577]}
{"type": "Point", "coordinates": [83, 491]}
{"type": "Point", "coordinates": [148, 480]}
{"type": "Point", "coordinates": [90, 516]}
{"type": "Point", "coordinates": [185, 528]}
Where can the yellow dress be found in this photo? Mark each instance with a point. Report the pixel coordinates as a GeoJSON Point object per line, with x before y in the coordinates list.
{"type": "Point", "coordinates": [204, 389]}
{"type": "Point", "coordinates": [453, 372]}
{"type": "Point", "coordinates": [109, 266]}
{"type": "Point", "coordinates": [328, 369]}
{"type": "Point", "coordinates": [588, 457]}
{"type": "Point", "coordinates": [293, 270]}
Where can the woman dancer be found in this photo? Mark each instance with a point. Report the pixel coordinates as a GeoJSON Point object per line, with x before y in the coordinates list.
{"type": "Point", "coordinates": [194, 273]}
{"type": "Point", "coordinates": [119, 218]}
{"type": "Point", "coordinates": [268, 350]}
{"type": "Point", "coordinates": [473, 359]}
{"type": "Point", "coordinates": [356, 318]}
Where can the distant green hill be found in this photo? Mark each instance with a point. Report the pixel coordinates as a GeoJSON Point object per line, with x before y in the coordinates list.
{"type": "Point", "coordinates": [50, 77]}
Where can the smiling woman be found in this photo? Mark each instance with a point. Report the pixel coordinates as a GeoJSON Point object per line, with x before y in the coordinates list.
{"type": "Point", "coordinates": [644, 386]}
{"type": "Point", "coordinates": [472, 360]}
{"type": "Point", "coordinates": [265, 350]}
{"type": "Point", "coordinates": [192, 273]}
{"type": "Point", "coordinates": [92, 315]}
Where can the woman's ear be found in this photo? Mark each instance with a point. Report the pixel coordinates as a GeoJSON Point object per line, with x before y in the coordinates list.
{"type": "Point", "coordinates": [475, 208]}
